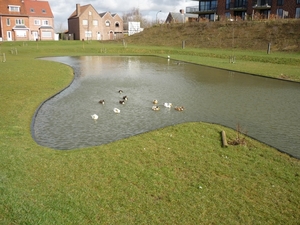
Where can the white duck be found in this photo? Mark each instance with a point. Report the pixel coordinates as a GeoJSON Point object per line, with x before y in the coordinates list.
{"type": "Point", "coordinates": [95, 117]}
{"type": "Point", "coordinates": [155, 108]}
{"type": "Point", "coordinates": [116, 110]}
{"type": "Point", "coordinates": [168, 105]}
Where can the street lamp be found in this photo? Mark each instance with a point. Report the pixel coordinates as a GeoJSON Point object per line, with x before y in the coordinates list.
{"type": "Point", "coordinates": [156, 15]}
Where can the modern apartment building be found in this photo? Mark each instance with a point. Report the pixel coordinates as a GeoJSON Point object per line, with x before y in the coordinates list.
{"type": "Point", "coordinates": [246, 9]}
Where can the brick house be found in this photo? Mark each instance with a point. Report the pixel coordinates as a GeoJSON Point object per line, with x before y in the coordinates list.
{"type": "Point", "coordinates": [24, 20]}
{"type": "Point", "coordinates": [246, 9]}
{"type": "Point", "coordinates": [85, 23]}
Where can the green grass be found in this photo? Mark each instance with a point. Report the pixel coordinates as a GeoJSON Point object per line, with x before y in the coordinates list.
{"type": "Point", "coordinates": [175, 175]}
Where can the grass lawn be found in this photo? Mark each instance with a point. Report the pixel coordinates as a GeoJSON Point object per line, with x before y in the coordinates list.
{"type": "Point", "coordinates": [175, 175]}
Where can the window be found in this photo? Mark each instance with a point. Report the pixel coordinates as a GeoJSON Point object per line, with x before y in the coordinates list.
{"type": "Point", "coordinates": [14, 8]}
{"type": "Point", "coordinates": [46, 34]}
{"type": "Point", "coordinates": [280, 2]}
{"type": "Point", "coordinates": [88, 34]}
{"type": "Point", "coordinates": [117, 24]}
{"type": "Point", "coordinates": [298, 1]}
{"type": "Point", "coordinates": [208, 5]}
{"type": "Point", "coordinates": [107, 23]}
{"type": "Point", "coordinates": [43, 10]}
{"type": "Point", "coordinates": [32, 10]}
{"type": "Point", "coordinates": [280, 13]}
{"type": "Point", "coordinates": [21, 33]}
{"type": "Point", "coordinates": [8, 22]}
{"type": "Point", "coordinates": [95, 22]}
{"type": "Point", "coordinates": [297, 13]}
{"type": "Point", "coordinates": [227, 15]}
{"type": "Point", "coordinates": [84, 22]}
{"type": "Point", "coordinates": [240, 3]}
{"type": "Point", "coordinates": [45, 22]}
{"type": "Point", "coordinates": [37, 22]}
{"type": "Point", "coordinates": [19, 21]}
{"type": "Point", "coordinates": [227, 6]}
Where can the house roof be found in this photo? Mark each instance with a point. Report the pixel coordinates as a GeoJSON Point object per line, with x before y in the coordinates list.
{"type": "Point", "coordinates": [82, 10]}
{"type": "Point", "coordinates": [177, 16]}
{"type": "Point", "coordinates": [4, 10]}
{"type": "Point", "coordinates": [38, 8]}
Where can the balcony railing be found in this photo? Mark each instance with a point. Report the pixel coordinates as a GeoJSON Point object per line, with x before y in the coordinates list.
{"type": "Point", "coordinates": [262, 4]}
{"type": "Point", "coordinates": [195, 9]}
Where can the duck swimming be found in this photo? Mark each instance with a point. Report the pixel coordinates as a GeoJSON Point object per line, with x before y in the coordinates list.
{"type": "Point", "coordinates": [95, 117]}
{"type": "Point", "coordinates": [179, 108]}
{"type": "Point", "coordinates": [155, 108]}
{"type": "Point", "coordinates": [122, 102]}
{"type": "Point", "coordinates": [168, 105]}
{"type": "Point", "coordinates": [116, 110]}
{"type": "Point", "coordinates": [125, 98]}
{"type": "Point", "coordinates": [120, 91]}
{"type": "Point", "coordinates": [155, 101]}
{"type": "Point", "coordinates": [102, 102]}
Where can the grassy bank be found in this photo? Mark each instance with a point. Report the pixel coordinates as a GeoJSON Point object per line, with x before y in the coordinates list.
{"type": "Point", "coordinates": [176, 175]}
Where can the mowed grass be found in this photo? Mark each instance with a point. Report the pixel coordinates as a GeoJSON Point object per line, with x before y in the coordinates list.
{"type": "Point", "coordinates": [175, 175]}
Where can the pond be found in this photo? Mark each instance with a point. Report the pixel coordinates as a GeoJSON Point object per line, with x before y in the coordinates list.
{"type": "Point", "coordinates": [266, 109]}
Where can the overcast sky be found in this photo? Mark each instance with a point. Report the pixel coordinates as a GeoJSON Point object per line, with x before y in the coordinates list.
{"type": "Point", "coordinates": [148, 8]}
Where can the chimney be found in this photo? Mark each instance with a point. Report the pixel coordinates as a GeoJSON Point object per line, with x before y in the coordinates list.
{"type": "Point", "coordinates": [77, 9]}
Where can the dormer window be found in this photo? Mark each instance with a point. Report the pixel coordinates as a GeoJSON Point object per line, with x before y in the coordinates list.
{"type": "Point", "coordinates": [32, 10]}
{"type": "Point", "coordinates": [107, 23]}
{"type": "Point", "coordinates": [14, 8]}
{"type": "Point", "coordinates": [43, 10]}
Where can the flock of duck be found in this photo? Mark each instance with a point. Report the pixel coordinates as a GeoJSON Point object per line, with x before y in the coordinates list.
{"type": "Point", "coordinates": [155, 107]}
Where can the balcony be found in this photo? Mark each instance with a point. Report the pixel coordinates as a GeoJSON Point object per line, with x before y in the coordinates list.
{"type": "Point", "coordinates": [262, 4]}
{"type": "Point", "coordinates": [203, 10]}
{"type": "Point", "coordinates": [239, 6]}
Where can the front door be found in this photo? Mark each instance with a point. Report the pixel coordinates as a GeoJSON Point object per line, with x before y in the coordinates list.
{"type": "Point", "coordinates": [9, 36]}
{"type": "Point", "coordinates": [98, 36]}
{"type": "Point", "coordinates": [35, 35]}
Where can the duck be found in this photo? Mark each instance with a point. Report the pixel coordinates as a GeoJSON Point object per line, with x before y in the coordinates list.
{"type": "Point", "coordinates": [120, 91]}
{"type": "Point", "coordinates": [116, 110]}
{"type": "Point", "coordinates": [95, 117]}
{"type": "Point", "coordinates": [102, 102]}
{"type": "Point", "coordinates": [155, 101]}
{"type": "Point", "coordinates": [168, 105]}
{"type": "Point", "coordinates": [179, 108]}
{"type": "Point", "coordinates": [155, 108]}
{"type": "Point", "coordinates": [122, 102]}
{"type": "Point", "coordinates": [125, 98]}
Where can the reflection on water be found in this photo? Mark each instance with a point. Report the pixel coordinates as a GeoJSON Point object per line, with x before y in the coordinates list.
{"type": "Point", "coordinates": [267, 109]}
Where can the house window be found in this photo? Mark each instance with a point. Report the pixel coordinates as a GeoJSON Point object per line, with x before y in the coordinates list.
{"type": "Point", "coordinates": [117, 24]}
{"type": "Point", "coordinates": [107, 23]}
{"type": "Point", "coordinates": [46, 34]}
{"type": "Point", "coordinates": [14, 8]}
{"type": "Point", "coordinates": [298, 1]}
{"type": "Point", "coordinates": [19, 22]}
{"type": "Point", "coordinates": [227, 15]}
{"type": "Point", "coordinates": [21, 33]}
{"type": "Point", "coordinates": [7, 22]}
{"type": "Point", "coordinates": [227, 5]}
{"type": "Point", "coordinates": [297, 13]}
{"type": "Point", "coordinates": [240, 3]}
{"type": "Point", "coordinates": [84, 22]}
{"type": "Point", "coordinates": [32, 10]}
{"type": "Point", "coordinates": [45, 22]}
{"type": "Point", "coordinates": [88, 34]}
{"type": "Point", "coordinates": [43, 10]}
{"type": "Point", "coordinates": [280, 13]}
{"type": "Point", "coordinates": [208, 5]}
{"type": "Point", "coordinates": [37, 22]}
{"type": "Point", "coordinates": [280, 2]}
{"type": "Point", "coordinates": [95, 22]}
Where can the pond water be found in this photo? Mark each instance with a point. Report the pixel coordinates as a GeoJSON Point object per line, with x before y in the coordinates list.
{"type": "Point", "coordinates": [267, 109]}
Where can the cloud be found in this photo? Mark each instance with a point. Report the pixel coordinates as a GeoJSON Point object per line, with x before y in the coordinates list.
{"type": "Point", "coordinates": [148, 8]}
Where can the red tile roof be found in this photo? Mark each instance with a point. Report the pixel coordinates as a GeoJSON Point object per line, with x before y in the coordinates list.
{"type": "Point", "coordinates": [32, 8]}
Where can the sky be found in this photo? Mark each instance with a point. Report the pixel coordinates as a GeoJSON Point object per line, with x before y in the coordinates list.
{"type": "Point", "coordinates": [148, 8]}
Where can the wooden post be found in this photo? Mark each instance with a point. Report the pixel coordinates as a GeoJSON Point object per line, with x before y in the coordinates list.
{"type": "Point", "coordinates": [224, 141]}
